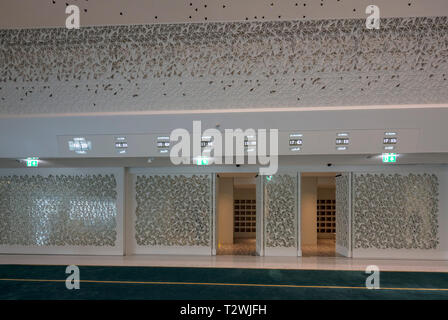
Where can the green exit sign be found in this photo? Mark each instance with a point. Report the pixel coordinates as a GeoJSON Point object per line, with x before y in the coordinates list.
{"type": "Point", "coordinates": [202, 161]}
{"type": "Point", "coordinates": [32, 162]}
{"type": "Point", "coordinates": [389, 157]}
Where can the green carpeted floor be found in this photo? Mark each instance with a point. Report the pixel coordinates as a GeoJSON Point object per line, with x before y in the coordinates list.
{"type": "Point", "coordinates": [97, 282]}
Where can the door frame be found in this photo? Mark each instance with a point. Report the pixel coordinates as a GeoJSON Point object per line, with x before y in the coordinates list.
{"type": "Point", "coordinates": [259, 220]}
{"type": "Point", "coordinates": [299, 214]}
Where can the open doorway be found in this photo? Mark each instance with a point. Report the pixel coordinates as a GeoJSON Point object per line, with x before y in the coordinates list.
{"type": "Point", "coordinates": [236, 214]}
{"type": "Point", "coordinates": [318, 214]}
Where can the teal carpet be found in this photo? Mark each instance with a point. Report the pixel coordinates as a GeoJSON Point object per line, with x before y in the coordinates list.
{"type": "Point", "coordinates": [211, 284]}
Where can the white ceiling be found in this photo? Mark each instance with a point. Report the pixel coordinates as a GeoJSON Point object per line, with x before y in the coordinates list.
{"type": "Point", "coordinates": [51, 13]}
{"type": "Point", "coordinates": [216, 66]}
{"type": "Point", "coordinates": [285, 54]}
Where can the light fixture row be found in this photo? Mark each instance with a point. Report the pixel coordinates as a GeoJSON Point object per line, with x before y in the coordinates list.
{"type": "Point", "coordinates": [81, 145]}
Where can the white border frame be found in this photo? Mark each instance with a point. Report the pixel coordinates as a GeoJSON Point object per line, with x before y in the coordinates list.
{"type": "Point", "coordinates": [259, 218]}
{"type": "Point", "coordinates": [299, 214]}
{"type": "Point", "coordinates": [347, 252]}
{"type": "Point", "coordinates": [215, 191]}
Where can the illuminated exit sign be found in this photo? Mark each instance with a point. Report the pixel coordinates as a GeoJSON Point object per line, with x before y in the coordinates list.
{"type": "Point", "coordinates": [32, 162]}
{"type": "Point", "coordinates": [202, 161]}
{"type": "Point", "coordinates": [389, 157]}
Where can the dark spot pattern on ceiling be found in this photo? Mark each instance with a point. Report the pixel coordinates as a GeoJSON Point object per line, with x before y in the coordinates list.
{"type": "Point", "coordinates": [224, 65]}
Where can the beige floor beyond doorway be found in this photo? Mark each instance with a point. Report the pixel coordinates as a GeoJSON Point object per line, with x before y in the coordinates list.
{"type": "Point", "coordinates": [241, 247]}
{"type": "Point", "coordinates": [324, 248]}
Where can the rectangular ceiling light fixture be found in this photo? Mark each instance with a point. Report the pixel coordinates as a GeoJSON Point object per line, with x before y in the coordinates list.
{"type": "Point", "coordinates": [295, 141]}
{"type": "Point", "coordinates": [342, 140]}
{"type": "Point", "coordinates": [206, 142]}
{"type": "Point", "coordinates": [121, 145]}
{"type": "Point", "coordinates": [80, 145]}
{"type": "Point", "coordinates": [250, 142]}
{"type": "Point", "coordinates": [163, 144]}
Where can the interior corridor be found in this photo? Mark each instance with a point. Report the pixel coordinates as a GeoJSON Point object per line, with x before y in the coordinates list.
{"type": "Point", "coordinates": [318, 223]}
{"type": "Point", "coordinates": [236, 214]}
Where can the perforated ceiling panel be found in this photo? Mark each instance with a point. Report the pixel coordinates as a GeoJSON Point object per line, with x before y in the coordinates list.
{"type": "Point", "coordinates": [220, 65]}
{"type": "Point", "coordinates": [224, 65]}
